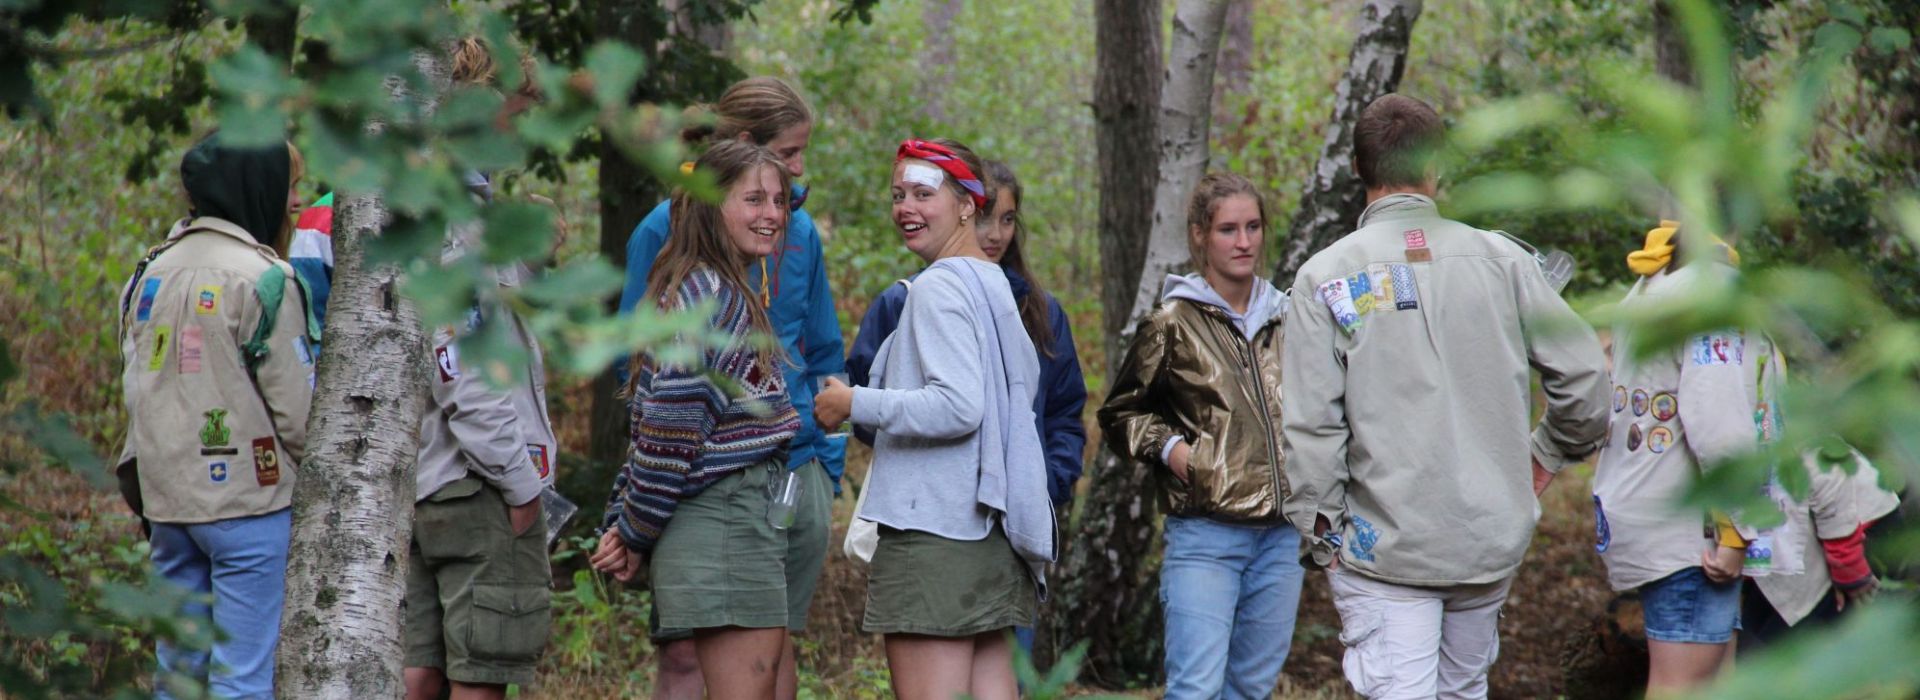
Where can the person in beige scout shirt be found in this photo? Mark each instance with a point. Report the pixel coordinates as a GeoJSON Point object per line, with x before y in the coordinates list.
{"type": "Point", "coordinates": [217, 383]}
{"type": "Point", "coordinates": [1405, 409]}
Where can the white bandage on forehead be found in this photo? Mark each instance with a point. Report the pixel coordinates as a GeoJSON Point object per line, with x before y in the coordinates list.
{"type": "Point", "coordinates": [924, 175]}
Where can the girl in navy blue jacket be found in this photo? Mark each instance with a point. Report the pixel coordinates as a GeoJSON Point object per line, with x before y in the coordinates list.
{"type": "Point", "coordinates": [1063, 392]}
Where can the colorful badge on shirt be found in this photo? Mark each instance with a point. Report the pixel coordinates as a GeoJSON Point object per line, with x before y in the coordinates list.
{"type": "Point", "coordinates": [217, 472]}
{"type": "Point", "coordinates": [1334, 294]}
{"type": "Point", "coordinates": [1619, 398]}
{"type": "Point", "coordinates": [1417, 251]}
{"type": "Point", "coordinates": [1719, 349]}
{"type": "Point", "coordinates": [162, 341]}
{"type": "Point", "coordinates": [1659, 439]}
{"type": "Point", "coordinates": [1406, 292]}
{"type": "Point", "coordinates": [148, 290]}
{"type": "Point", "coordinates": [1602, 533]}
{"type": "Point", "coordinates": [190, 349]}
{"type": "Point", "coordinates": [214, 432]}
{"type": "Point", "coordinates": [1360, 287]}
{"type": "Point", "coordinates": [449, 361]}
{"type": "Point", "coordinates": [1364, 538]}
{"type": "Point", "coordinates": [1665, 406]}
{"type": "Point", "coordinates": [539, 455]}
{"type": "Point", "coordinates": [206, 300]}
{"type": "Point", "coordinates": [266, 462]}
{"type": "Point", "coordinates": [1639, 402]}
{"type": "Point", "coordinates": [1634, 436]}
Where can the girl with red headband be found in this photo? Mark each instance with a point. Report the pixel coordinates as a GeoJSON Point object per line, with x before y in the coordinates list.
{"type": "Point", "coordinates": [958, 484]}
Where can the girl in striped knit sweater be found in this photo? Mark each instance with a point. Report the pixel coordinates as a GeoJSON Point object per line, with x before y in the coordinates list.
{"type": "Point", "coordinates": [710, 438]}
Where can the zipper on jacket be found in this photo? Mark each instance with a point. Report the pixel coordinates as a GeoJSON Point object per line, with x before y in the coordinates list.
{"type": "Point", "coordinates": [1248, 361]}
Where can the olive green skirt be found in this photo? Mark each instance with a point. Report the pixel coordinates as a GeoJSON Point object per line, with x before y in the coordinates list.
{"type": "Point", "coordinates": [922, 583]}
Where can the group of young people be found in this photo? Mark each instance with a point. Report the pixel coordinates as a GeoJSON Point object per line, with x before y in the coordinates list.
{"type": "Point", "coordinates": [1372, 421]}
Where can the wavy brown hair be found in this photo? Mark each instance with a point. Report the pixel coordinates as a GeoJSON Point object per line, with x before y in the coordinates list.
{"type": "Point", "coordinates": [697, 237]}
{"type": "Point", "coordinates": [1001, 182]}
{"type": "Point", "coordinates": [760, 107]}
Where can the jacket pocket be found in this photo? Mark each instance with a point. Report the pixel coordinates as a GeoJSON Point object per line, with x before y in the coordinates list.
{"type": "Point", "coordinates": [1203, 476]}
{"type": "Point", "coordinates": [510, 623]}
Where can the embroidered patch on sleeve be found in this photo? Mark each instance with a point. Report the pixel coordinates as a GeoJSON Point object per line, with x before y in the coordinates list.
{"type": "Point", "coordinates": [162, 341]}
{"type": "Point", "coordinates": [190, 348]}
{"type": "Point", "coordinates": [266, 462]}
{"type": "Point", "coordinates": [148, 290]}
{"type": "Point", "coordinates": [206, 300]}
{"type": "Point", "coordinates": [1334, 294]}
{"type": "Point", "coordinates": [1719, 349]}
{"type": "Point", "coordinates": [539, 455]}
{"type": "Point", "coordinates": [449, 360]}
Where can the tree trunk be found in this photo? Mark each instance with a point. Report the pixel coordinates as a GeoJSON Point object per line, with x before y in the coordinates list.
{"type": "Point", "coordinates": [1334, 196]}
{"type": "Point", "coordinates": [353, 505]}
{"type": "Point", "coordinates": [1235, 68]}
{"type": "Point", "coordinates": [1670, 57]}
{"type": "Point", "coordinates": [274, 29]}
{"type": "Point", "coordinates": [717, 36]}
{"type": "Point", "coordinates": [937, 56]}
{"type": "Point", "coordinates": [627, 193]}
{"type": "Point", "coordinates": [1105, 597]}
{"type": "Point", "coordinates": [1186, 117]}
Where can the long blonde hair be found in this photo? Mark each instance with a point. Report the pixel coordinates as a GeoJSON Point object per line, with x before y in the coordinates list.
{"type": "Point", "coordinates": [697, 237]}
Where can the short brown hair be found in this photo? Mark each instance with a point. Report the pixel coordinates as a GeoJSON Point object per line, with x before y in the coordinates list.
{"type": "Point", "coordinates": [1205, 200]}
{"type": "Point", "coordinates": [1394, 140]}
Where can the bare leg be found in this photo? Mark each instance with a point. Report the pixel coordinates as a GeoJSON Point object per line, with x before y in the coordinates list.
{"type": "Point", "coordinates": [740, 663]}
{"type": "Point", "coordinates": [678, 672]}
{"type": "Point", "coordinates": [787, 685]}
{"type": "Point", "coordinates": [424, 683]}
{"type": "Point", "coordinates": [930, 668]}
{"type": "Point", "coordinates": [1677, 667]}
{"type": "Point", "coordinates": [993, 667]}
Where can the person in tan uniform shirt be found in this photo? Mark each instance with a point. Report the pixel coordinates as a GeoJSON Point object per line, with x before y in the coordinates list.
{"type": "Point", "coordinates": [1405, 406]}
{"type": "Point", "coordinates": [217, 411]}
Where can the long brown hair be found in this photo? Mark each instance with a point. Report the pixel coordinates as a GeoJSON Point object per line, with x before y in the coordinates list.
{"type": "Point", "coordinates": [697, 237]}
{"type": "Point", "coordinates": [1001, 182]}
{"type": "Point", "coordinates": [761, 107]}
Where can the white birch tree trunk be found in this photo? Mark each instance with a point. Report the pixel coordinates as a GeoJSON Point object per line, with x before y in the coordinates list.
{"type": "Point", "coordinates": [1334, 196]}
{"type": "Point", "coordinates": [1186, 118]}
{"type": "Point", "coordinates": [340, 636]}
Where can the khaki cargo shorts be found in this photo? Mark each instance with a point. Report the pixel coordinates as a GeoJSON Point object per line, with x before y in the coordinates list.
{"type": "Point", "coordinates": [478, 596]}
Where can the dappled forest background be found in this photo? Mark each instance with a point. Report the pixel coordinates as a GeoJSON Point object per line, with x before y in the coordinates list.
{"type": "Point", "coordinates": [86, 190]}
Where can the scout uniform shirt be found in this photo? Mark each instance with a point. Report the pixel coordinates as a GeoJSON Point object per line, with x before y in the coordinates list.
{"type": "Point", "coordinates": [1406, 397]}
{"type": "Point", "coordinates": [500, 434]}
{"type": "Point", "coordinates": [211, 442]}
{"type": "Point", "coordinates": [1674, 413]}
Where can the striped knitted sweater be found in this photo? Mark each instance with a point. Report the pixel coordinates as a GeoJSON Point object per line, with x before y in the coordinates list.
{"type": "Point", "coordinates": [689, 429]}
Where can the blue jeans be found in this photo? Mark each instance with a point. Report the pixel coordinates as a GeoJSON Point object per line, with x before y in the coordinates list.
{"type": "Point", "coordinates": [1231, 593]}
{"type": "Point", "coordinates": [242, 562]}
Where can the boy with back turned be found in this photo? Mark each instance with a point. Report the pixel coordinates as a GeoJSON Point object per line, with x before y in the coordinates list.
{"type": "Point", "coordinates": [1406, 403]}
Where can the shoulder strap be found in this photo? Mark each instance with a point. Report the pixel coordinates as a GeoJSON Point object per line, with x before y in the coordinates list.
{"type": "Point", "coordinates": [270, 289]}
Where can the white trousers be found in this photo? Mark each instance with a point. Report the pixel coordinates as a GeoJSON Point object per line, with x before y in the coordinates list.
{"type": "Point", "coordinates": [1413, 642]}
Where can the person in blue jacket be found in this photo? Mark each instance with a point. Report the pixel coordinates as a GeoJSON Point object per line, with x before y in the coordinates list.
{"type": "Point", "coordinates": [793, 283]}
{"type": "Point", "coordinates": [1063, 392]}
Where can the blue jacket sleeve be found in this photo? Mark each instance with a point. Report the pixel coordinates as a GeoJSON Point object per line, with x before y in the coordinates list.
{"type": "Point", "coordinates": [825, 354]}
{"type": "Point", "coordinates": [882, 316]}
{"type": "Point", "coordinates": [1064, 398]}
{"type": "Point", "coordinates": [642, 247]}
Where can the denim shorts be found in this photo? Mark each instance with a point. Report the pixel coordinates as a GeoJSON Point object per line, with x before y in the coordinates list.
{"type": "Point", "coordinates": [1685, 607]}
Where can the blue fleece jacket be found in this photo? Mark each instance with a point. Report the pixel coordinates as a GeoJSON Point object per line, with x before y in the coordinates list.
{"type": "Point", "coordinates": [1058, 404]}
{"type": "Point", "coordinates": [802, 315]}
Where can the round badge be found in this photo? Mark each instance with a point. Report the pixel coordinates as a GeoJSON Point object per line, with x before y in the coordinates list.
{"type": "Point", "coordinates": [1633, 438]}
{"type": "Point", "coordinates": [1659, 439]}
{"type": "Point", "coordinates": [1639, 402]}
{"type": "Point", "coordinates": [1619, 399]}
{"type": "Point", "coordinates": [1665, 406]}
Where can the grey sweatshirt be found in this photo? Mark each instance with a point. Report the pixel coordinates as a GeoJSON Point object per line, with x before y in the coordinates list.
{"type": "Point", "coordinates": [948, 458]}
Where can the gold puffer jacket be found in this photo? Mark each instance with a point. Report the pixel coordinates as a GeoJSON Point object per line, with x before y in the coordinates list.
{"type": "Point", "coordinates": [1191, 373]}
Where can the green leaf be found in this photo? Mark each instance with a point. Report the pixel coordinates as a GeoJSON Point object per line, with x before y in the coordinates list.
{"type": "Point", "coordinates": [516, 231]}
{"type": "Point", "coordinates": [1889, 39]}
{"type": "Point", "coordinates": [253, 88]}
{"type": "Point", "coordinates": [583, 281]}
{"type": "Point", "coordinates": [442, 293]}
{"type": "Point", "coordinates": [615, 68]}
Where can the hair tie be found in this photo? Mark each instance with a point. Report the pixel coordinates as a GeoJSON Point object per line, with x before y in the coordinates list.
{"type": "Point", "coordinates": [944, 158]}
